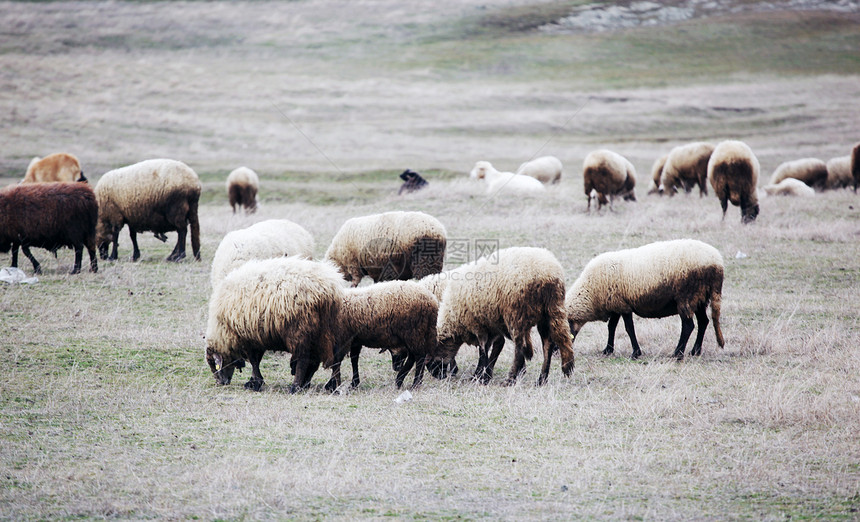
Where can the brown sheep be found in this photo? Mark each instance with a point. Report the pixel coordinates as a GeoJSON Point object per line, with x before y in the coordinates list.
{"type": "Point", "coordinates": [811, 171]}
{"type": "Point", "coordinates": [687, 166]}
{"type": "Point", "coordinates": [608, 174]}
{"type": "Point", "coordinates": [656, 174]}
{"type": "Point", "coordinates": [839, 173]}
{"type": "Point", "coordinates": [56, 167]}
{"type": "Point", "coordinates": [733, 173]}
{"type": "Point", "coordinates": [242, 186]}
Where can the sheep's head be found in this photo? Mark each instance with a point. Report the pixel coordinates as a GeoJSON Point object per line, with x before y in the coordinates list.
{"type": "Point", "coordinates": [441, 363]}
{"type": "Point", "coordinates": [749, 214]}
{"type": "Point", "coordinates": [223, 373]}
{"type": "Point", "coordinates": [104, 237]}
{"type": "Point", "coordinates": [81, 178]}
{"type": "Point", "coordinates": [479, 171]}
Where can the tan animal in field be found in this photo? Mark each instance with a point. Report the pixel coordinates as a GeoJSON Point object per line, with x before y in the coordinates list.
{"type": "Point", "coordinates": [609, 174]}
{"type": "Point", "coordinates": [811, 171]}
{"type": "Point", "coordinates": [56, 167]}
{"type": "Point", "coordinates": [242, 186]}
{"type": "Point", "coordinates": [733, 172]}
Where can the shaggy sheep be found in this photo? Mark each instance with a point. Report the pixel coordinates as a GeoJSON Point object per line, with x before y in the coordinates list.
{"type": "Point", "coordinates": [855, 165]}
{"type": "Point", "coordinates": [160, 195]}
{"type": "Point", "coordinates": [733, 173]}
{"type": "Point", "coordinates": [839, 173]}
{"type": "Point", "coordinates": [388, 246]}
{"type": "Point", "coordinates": [546, 169]}
{"type": "Point", "coordinates": [56, 167]}
{"type": "Point", "coordinates": [412, 181]}
{"type": "Point", "coordinates": [282, 304]}
{"type": "Point", "coordinates": [657, 280]}
{"type": "Point", "coordinates": [399, 316]}
{"type": "Point", "coordinates": [242, 186]}
{"type": "Point", "coordinates": [608, 174]}
{"type": "Point", "coordinates": [687, 166]}
{"type": "Point", "coordinates": [504, 295]}
{"type": "Point", "coordinates": [263, 240]}
{"type": "Point", "coordinates": [50, 216]}
{"type": "Point", "coordinates": [790, 187]}
{"type": "Point", "coordinates": [510, 182]}
{"type": "Point", "coordinates": [656, 173]}
{"type": "Point", "coordinates": [811, 171]}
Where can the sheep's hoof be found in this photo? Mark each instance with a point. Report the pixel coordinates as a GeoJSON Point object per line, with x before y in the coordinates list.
{"type": "Point", "coordinates": [567, 369]}
{"type": "Point", "coordinates": [608, 350]}
{"type": "Point", "coordinates": [331, 386]}
{"type": "Point", "coordinates": [75, 271]}
{"type": "Point", "coordinates": [355, 383]}
{"type": "Point", "coordinates": [636, 355]}
{"type": "Point", "coordinates": [254, 385]}
{"type": "Point", "coordinates": [679, 356]}
{"type": "Point", "coordinates": [176, 257]}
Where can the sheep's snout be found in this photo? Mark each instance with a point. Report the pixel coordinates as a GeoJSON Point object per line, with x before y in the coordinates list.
{"type": "Point", "coordinates": [442, 369]}
{"type": "Point", "coordinates": [82, 179]}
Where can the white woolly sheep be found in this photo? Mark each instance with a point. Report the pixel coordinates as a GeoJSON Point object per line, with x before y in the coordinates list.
{"type": "Point", "coordinates": [657, 280]}
{"type": "Point", "coordinates": [282, 304]}
{"type": "Point", "coordinates": [608, 174]}
{"type": "Point", "coordinates": [839, 173]}
{"type": "Point", "coordinates": [160, 195]}
{"type": "Point", "coordinates": [790, 187]}
{"type": "Point", "coordinates": [811, 171]}
{"type": "Point", "coordinates": [507, 181]}
{"type": "Point", "coordinates": [546, 169]}
{"type": "Point", "coordinates": [505, 294]}
{"type": "Point", "coordinates": [733, 173]}
{"type": "Point", "coordinates": [55, 167]}
{"type": "Point", "coordinates": [399, 316]}
{"type": "Point", "coordinates": [388, 246]}
{"type": "Point", "coordinates": [687, 166]}
{"type": "Point", "coordinates": [242, 186]}
{"type": "Point", "coordinates": [855, 165]}
{"type": "Point", "coordinates": [263, 240]}
{"type": "Point", "coordinates": [656, 174]}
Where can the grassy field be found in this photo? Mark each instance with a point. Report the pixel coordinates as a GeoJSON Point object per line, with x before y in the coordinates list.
{"type": "Point", "coordinates": [109, 411]}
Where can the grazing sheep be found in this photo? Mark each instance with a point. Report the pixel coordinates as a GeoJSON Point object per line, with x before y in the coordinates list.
{"type": "Point", "coordinates": [388, 246]}
{"type": "Point", "coordinates": [399, 316]}
{"type": "Point", "coordinates": [656, 174]}
{"type": "Point", "coordinates": [263, 240]}
{"type": "Point", "coordinates": [608, 174]}
{"type": "Point", "coordinates": [242, 186]}
{"type": "Point", "coordinates": [687, 166]}
{"type": "Point", "coordinates": [546, 169]}
{"type": "Point", "coordinates": [412, 181]}
{"type": "Point", "coordinates": [282, 304]}
{"type": "Point", "coordinates": [790, 187]}
{"type": "Point", "coordinates": [733, 173]}
{"type": "Point", "coordinates": [160, 195]}
{"type": "Point", "coordinates": [855, 165]}
{"type": "Point", "coordinates": [510, 182]}
{"type": "Point", "coordinates": [56, 167]}
{"type": "Point", "coordinates": [811, 171]}
{"type": "Point", "coordinates": [657, 280]}
{"type": "Point", "coordinates": [50, 216]}
{"type": "Point", "coordinates": [504, 295]}
{"type": "Point", "coordinates": [839, 173]}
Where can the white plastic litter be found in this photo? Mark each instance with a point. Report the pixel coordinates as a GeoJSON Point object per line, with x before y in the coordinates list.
{"type": "Point", "coordinates": [16, 275]}
{"type": "Point", "coordinates": [403, 397]}
{"type": "Point", "coordinates": [740, 255]}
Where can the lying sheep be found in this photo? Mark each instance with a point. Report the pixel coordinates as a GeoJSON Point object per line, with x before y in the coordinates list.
{"type": "Point", "coordinates": [50, 216]}
{"type": "Point", "coordinates": [608, 174]}
{"type": "Point", "coordinates": [656, 174]}
{"type": "Point", "coordinates": [657, 280]}
{"type": "Point", "coordinates": [263, 240]}
{"type": "Point", "coordinates": [839, 173]}
{"type": "Point", "coordinates": [811, 171]}
{"type": "Point", "coordinates": [56, 167]}
{"type": "Point", "coordinates": [399, 316]}
{"type": "Point", "coordinates": [160, 195]}
{"type": "Point", "coordinates": [242, 186]}
{"type": "Point", "coordinates": [389, 246]}
{"type": "Point", "coordinates": [507, 181]}
{"type": "Point", "coordinates": [790, 187]}
{"type": "Point", "coordinates": [733, 173]}
{"type": "Point", "coordinates": [504, 295]}
{"type": "Point", "coordinates": [855, 165]}
{"type": "Point", "coordinates": [546, 169]}
{"type": "Point", "coordinates": [282, 304]}
{"type": "Point", "coordinates": [687, 166]}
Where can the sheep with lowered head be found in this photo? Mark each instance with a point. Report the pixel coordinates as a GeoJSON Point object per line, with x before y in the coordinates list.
{"type": "Point", "coordinates": [657, 280]}
{"type": "Point", "coordinates": [546, 169]}
{"type": "Point", "coordinates": [242, 186]}
{"type": "Point", "coordinates": [839, 173]}
{"type": "Point", "coordinates": [687, 166]}
{"type": "Point", "coordinates": [508, 182]}
{"type": "Point", "coordinates": [55, 167]}
{"type": "Point", "coordinates": [733, 173]}
{"type": "Point", "coordinates": [790, 187]}
{"type": "Point", "coordinates": [811, 171]}
{"type": "Point", "coordinates": [855, 165]}
{"type": "Point", "coordinates": [282, 304]}
{"type": "Point", "coordinates": [608, 174]}
{"type": "Point", "coordinates": [389, 246]}
{"type": "Point", "coordinates": [656, 174]}
{"type": "Point", "coordinates": [160, 195]}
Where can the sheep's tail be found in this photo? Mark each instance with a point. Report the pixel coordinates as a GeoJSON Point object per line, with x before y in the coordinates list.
{"type": "Point", "coordinates": [195, 225]}
{"type": "Point", "coordinates": [716, 303]}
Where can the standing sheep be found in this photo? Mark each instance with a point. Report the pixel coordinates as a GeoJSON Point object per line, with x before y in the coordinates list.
{"type": "Point", "coordinates": [687, 166]}
{"type": "Point", "coordinates": [510, 182]}
{"type": "Point", "coordinates": [50, 216]}
{"type": "Point", "coordinates": [242, 186]}
{"type": "Point", "coordinates": [55, 167]}
{"type": "Point", "coordinates": [656, 174]}
{"type": "Point", "coordinates": [546, 169]}
{"type": "Point", "coordinates": [160, 195]}
{"type": "Point", "coordinates": [811, 171]}
{"type": "Point", "coordinates": [388, 246]}
{"type": "Point", "coordinates": [790, 187]}
{"type": "Point", "coordinates": [855, 165]}
{"type": "Point", "coordinates": [733, 173]}
{"type": "Point", "coordinates": [839, 173]}
{"type": "Point", "coordinates": [283, 304]}
{"type": "Point", "coordinates": [657, 280]}
{"type": "Point", "coordinates": [608, 174]}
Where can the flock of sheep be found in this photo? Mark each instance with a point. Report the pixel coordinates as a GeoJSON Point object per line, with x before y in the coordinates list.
{"type": "Point", "coordinates": [269, 294]}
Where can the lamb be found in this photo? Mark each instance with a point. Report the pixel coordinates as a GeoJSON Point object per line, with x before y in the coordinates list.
{"type": "Point", "coordinates": [687, 166]}
{"type": "Point", "coordinates": [263, 240]}
{"type": "Point", "coordinates": [282, 304]}
{"type": "Point", "coordinates": [546, 169]}
{"type": "Point", "coordinates": [55, 167]}
{"type": "Point", "coordinates": [160, 195]}
{"type": "Point", "coordinates": [656, 174]}
{"type": "Point", "coordinates": [399, 316]}
{"type": "Point", "coordinates": [733, 173]}
{"type": "Point", "coordinates": [839, 172]}
{"type": "Point", "coordinates": [657, 280]}
{"type": "Point", "coordinates": [242, 186]}
{"type": "Point", "coordinates": [855, 165]}
{"type": "Point", "coordinates": [790, 187]}
{"type": "Point", "coordinates": [505, 294]}
{"type": "Point", "coordinates": [811, 171]}
{"type": "Point", "coordinates": [510, 182]}
{"type": "Point", "coordinates": [388, 246]}
{"type": "Point", "coordinates": [608, 174]}
{"type": "Point", "coordinates": [50, 216]}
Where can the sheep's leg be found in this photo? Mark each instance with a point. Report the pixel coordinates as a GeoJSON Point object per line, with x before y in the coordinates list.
{"type": "Point", "coordinates": [498, 344]}
{"type": "Point", "coordinates": [517, 369]}
{"type": "Point", "coordinates": [114, 253]}
{"type": "Point", "coordinates": [14, 255]}
{"type": "Point", "coordinates": [610, 343]}
{"type": "Point", "coordinates": [481, 368]}
{"type": "Point", "coordinates": [724, 202]}
{"type": "Point", "coordinates": [686, 330]}
{"type": "Point", "coordinates": [256, 380]}
{"type": "Point", "coordinates": [547, 356]}
{"type": "Point", "coordinates": [334, 381]}
{"type": "Point", "coordinates": [407, 365]}
{"type": "Point", "coordinates": [79, 256]}
{"type": "Point", "coordinates": [702, 319]}
{"type": "Point", "coordinates": [301, 370]}
{"type": "Point", "coordinates": [419, 371]}
{"type": "Point", "coordinates": [631, 332]}
{"type": "Point", "coordinates": [354, 352]}
{"type": "Point", "coordinates": [178, 253]}
{"type": "Point", "coordinates": [91, 250]}
{"type": "Point", "coordinates": [36, 267]}
{"type": "Point", "coordinates": [132, 234]}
